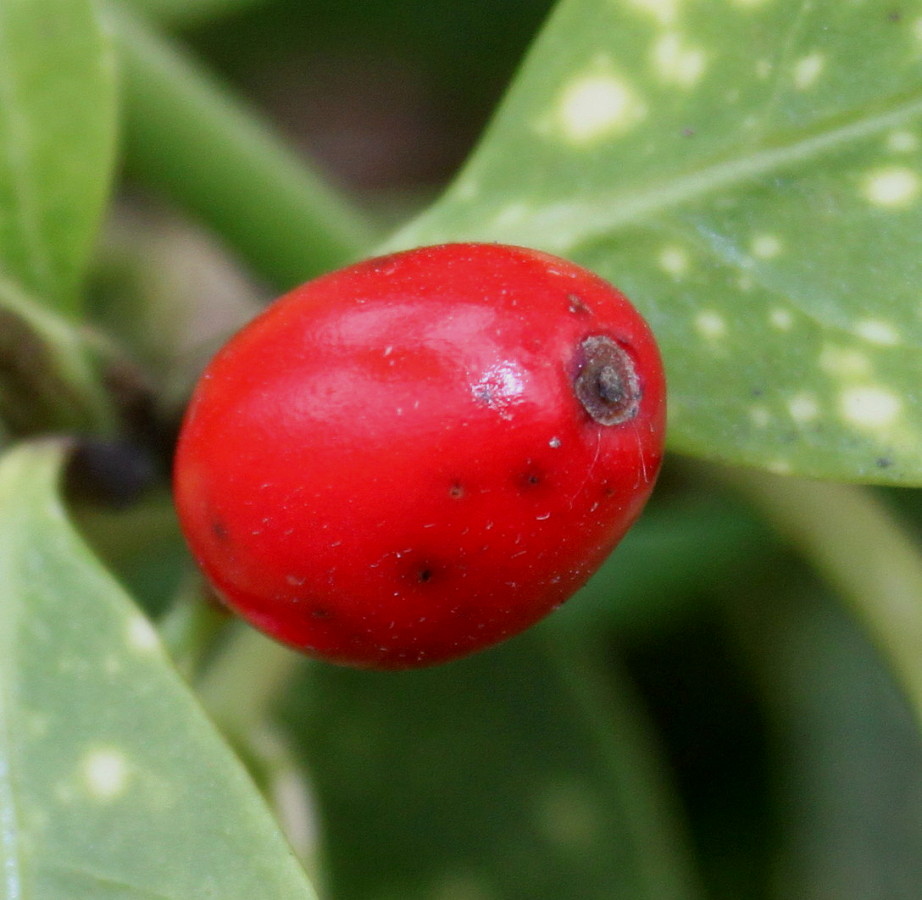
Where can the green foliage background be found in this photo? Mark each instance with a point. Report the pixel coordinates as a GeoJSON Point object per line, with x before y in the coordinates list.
{"type": "Point", "coordinates": [730, 708]}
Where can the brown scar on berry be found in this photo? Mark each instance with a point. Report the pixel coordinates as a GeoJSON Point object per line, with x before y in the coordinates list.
{"type": "Point", "coordinates": [607, 384]}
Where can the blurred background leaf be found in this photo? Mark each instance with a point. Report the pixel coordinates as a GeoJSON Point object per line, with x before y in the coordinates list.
{"type": "Point", "coordinates": [57, 142]}
{"type": "Point", "coordinates": [846, 751]}
{"type": "Point", "coordinates": [519, 773]}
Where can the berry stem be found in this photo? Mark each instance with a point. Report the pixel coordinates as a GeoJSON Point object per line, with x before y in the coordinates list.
{"type": "Point", "coordinates": [186, 135]}
{"type": "Point", "coordinates": [862, 550]}
{"type": "Point", "coordinates": [191, 628]}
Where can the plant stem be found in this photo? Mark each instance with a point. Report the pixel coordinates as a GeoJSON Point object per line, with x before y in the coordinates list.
{"type": "Point", "coordinates": [240, 686]}
{"type": "Point", "coordinates": [187, 136]}
{"type": "Point", "coordinates": [861, 549]}
{"type": "Point", "coordinates": [190, 628]}
{"type": "Point", "coordinates": [239, 691]}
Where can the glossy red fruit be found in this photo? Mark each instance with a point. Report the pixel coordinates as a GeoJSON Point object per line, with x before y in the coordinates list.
{"type": "Point", "coordinates": [415, 457]}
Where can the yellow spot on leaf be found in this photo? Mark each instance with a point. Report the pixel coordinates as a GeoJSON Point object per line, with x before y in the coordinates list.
{"type": "Point", "coordinates": [674, 261]}
{"type": "Point", "coordinates": [876, 331]}
{"type": "Point", "coordinates": [781, 319]}
{"type": "Point", "coordinates": [869, 406]}
{"type": "Point", "coordinates": [596, 106]}
{"type": "Point", "coordinates": [893, 186]}
{"type": "Point", "coordinates": [664, 11]}
{"type": "Point", "coordinates": [711, 325]}
{"type": "Point", "coordinates": [766, 246]}
{"type": "Point", "coordinates": [676, 62]}
{"type": "Point", "coordinates": [807, 70]}
{"type": "Point", "coordinates": [105, 773]}
{"type": "Point", "coordinates": [803, 407]}
{"type": "Point", "coordinates": [141, 635]}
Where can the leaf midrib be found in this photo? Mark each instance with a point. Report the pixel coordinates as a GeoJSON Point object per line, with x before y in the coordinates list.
{"type": "Point", "coordinates": [559, 227]}
{"type": "Point", "coordinates": [619, 210]}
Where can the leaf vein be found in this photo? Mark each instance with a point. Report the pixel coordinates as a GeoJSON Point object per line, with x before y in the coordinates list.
{"type": "Point", "coordinates": [561, 226]}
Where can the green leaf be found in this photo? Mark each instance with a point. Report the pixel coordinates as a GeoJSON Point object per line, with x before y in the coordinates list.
{"type": "Point", "coordinates": [512, 774]}
{"type": "Point", "coordinates": [113, 785]}
{"type": "Point", "coordinates": [57, 131]}
{"type": "Point", "coordinates": [748, 171]}
{"type": "Point", "coordinates": [847, 752]}
{"type": "Point", "coordinates": [855, 541]}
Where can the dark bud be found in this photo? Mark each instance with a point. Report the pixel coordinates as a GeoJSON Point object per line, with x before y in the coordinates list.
{"type": "Point", "coordinates": [113, 473]}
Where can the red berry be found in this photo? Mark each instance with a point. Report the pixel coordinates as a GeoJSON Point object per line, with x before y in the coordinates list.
{"type": "Point", "coordinates": [415, 457]}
